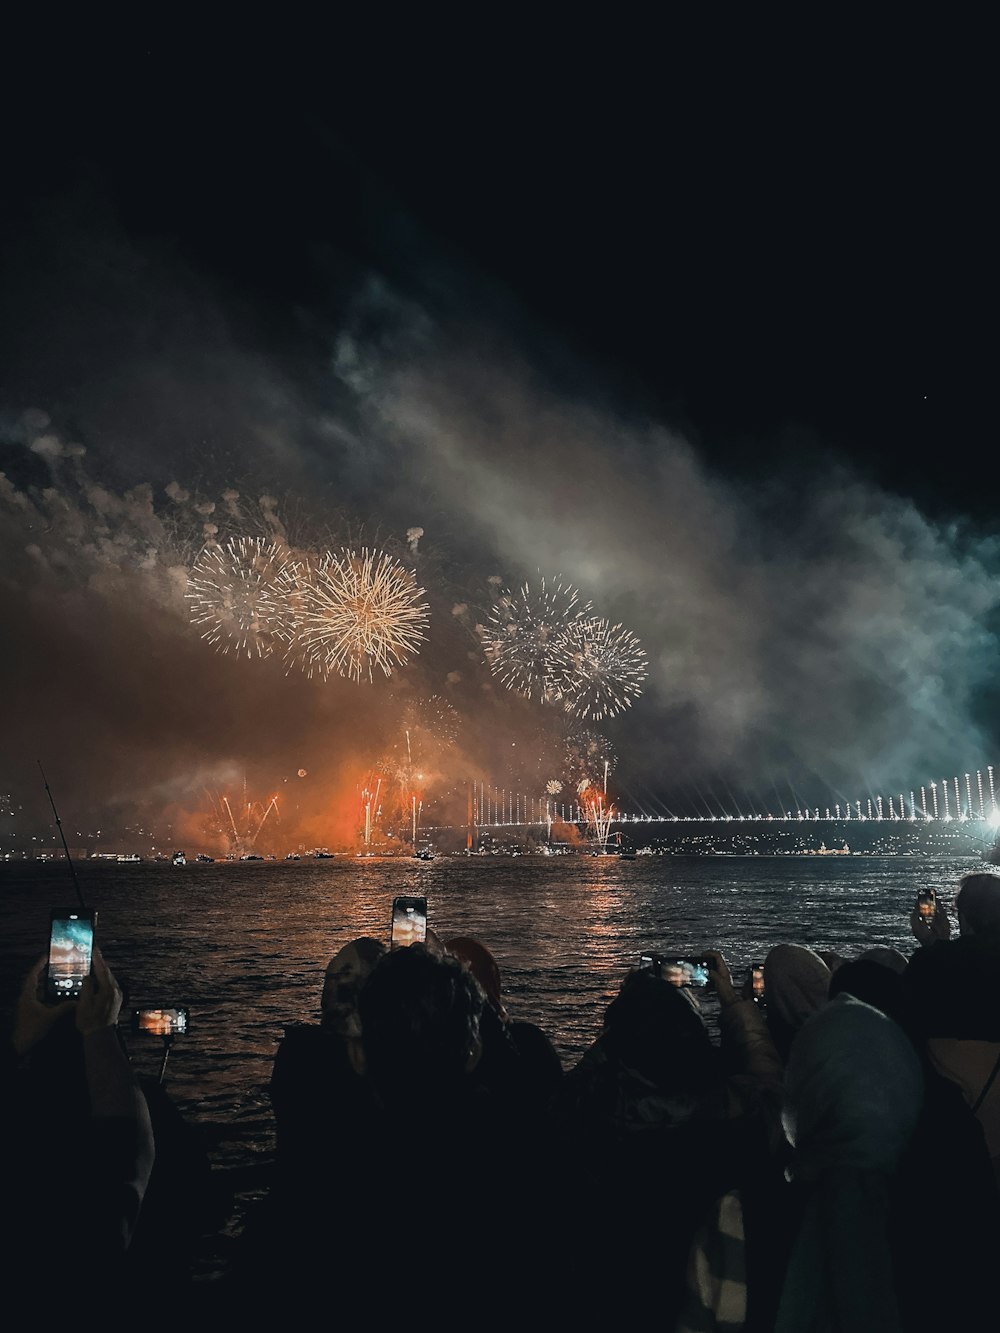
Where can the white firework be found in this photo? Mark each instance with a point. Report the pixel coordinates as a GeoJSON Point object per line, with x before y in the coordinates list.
{"type": "Point", "coordinates": [525, 641]}
{"type": "Point", "coordinates": [608, 668]}
{"type": "Point", "coordinates": [553, 787]}
{"type": "Point", "coordinates": [356, 612]}
{"type": "Point", "coordinates": [240, 592]}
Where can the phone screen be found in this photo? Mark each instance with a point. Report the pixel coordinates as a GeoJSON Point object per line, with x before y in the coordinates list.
{"type": "Point", "coordinates": [757, 981]}
{"type": "Point", "coordinates": [161, 1022]}
{"type": "Point", "coordinates": [71, 948]}
{"type": "Point", "coordinates": [685, 971]}
{"type": "Point", "coordinates": [409, 922]}
{"type": "Point", "coordinates": [926, 904]}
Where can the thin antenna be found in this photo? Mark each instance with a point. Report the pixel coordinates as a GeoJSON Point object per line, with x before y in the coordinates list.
{"type": "Point", "coordinates": [69, 859]}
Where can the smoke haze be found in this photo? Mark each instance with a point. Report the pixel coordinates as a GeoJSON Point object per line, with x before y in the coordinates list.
{"type": "Point", "coordinates": [809, 636]}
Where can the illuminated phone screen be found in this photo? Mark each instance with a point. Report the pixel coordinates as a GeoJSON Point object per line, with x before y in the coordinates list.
{"type": "Point", "coordinates": [162, 1022]}
{"type": "Point", "coordinates": [71, 948]}
{"type": "Point", "coordinates": [409, 922]}
{"type": "Point", "coordinates": [685, 971]}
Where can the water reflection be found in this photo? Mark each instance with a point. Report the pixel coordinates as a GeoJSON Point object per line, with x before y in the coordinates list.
{"type": "Point", "coordinates": [245, 947]}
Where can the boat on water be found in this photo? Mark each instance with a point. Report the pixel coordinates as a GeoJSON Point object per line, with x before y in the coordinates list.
{"type": "Point", "coordinates": [179, 859]}
{"type": "Point", "coordinates": [132, 857]}
{"type": "Point", "coordinates": [202, 859]}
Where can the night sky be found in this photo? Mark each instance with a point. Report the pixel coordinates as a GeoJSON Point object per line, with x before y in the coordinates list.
{"type": "Point", "coordinates": [702, 327]}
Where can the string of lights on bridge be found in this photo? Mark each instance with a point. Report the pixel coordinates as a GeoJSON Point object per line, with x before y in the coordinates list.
{"type": "Point", "coordinates": [969, 797]}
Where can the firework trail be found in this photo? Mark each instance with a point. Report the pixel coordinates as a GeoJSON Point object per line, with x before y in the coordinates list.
{"type": "Point", "coordinates": [608, 668]}
{"type": "Point", "coordinates": [525, 641]}
{"type": "Point", "coordinates": [355, 612]}
{"type": "Point", "coordinates": [240, 592]}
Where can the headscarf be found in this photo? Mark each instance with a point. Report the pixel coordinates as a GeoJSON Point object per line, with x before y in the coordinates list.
{"type": "Point", "coordinates": [654, 1066]}
{"type": "Point", "coordinates": [346, 972]}
{"type": "Point", "coordinates": [891, 958]}
{"type": "Point", "coordinates": [483, 966]}
{"type": "Point", "coordinates": [796, 984]}
{"type": "Point", "coordinates": [853, 1090]}
{"type": "Point", "coordinates": [853, 1094]}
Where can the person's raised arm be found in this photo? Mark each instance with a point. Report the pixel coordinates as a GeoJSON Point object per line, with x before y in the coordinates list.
{"type": "Point", "coordinates": [33, 1018]}
{"type": "Point", "coordinates": [110, 1080]}
{"type": "Point", "coordinates": [742, 1028]}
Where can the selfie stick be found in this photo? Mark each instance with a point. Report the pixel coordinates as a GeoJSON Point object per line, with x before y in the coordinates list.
{"type": "Point", "coordinates": [168, 1041]}
{"type": "Point", "coordinates": [69, 859]}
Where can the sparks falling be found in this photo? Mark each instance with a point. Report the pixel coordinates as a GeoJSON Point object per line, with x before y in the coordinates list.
{"type": "Point", "coordinates": [525, 639]}
{"type": "Point", "coordinates": [608, 668]}
{"type": "Point", "coordinates": [239, 592]}
{"type": "Point", "coordinates": [355, 613]}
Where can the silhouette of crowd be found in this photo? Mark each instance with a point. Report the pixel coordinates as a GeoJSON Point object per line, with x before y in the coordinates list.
{"type": "Point", "coordinates": [828, 1158]}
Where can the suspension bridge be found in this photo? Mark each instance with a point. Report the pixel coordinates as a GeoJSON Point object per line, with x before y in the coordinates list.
{"type": "Point", "coordinates": [970, 797]}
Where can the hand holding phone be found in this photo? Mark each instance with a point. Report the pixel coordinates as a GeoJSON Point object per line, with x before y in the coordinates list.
{"type": "Point", "coordinates": [34, 1017]}
{"type": "Point", "coordinates": [929, 920]}
{"type": "Point", "coordinates": [719, 977]}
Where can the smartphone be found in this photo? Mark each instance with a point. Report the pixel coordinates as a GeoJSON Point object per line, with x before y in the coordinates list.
{"type": "Point", "coordinates": [685, 971]}
{"type": "Point", "coordinates": [650, 961]}
{"type": "Point", "coordinates": [71, 951]}
{"type": "Point", "coordinates": [926, 904]}
{"type": "Point", "coordinates": [756, 979]}
{"type": "Point", "coordinates": [409, 922]}
{"type": "Point", "coordinates": [161, 1022]}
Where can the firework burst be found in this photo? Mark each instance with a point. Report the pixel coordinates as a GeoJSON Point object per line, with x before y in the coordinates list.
{"type": "Point", "coordinates": [355, 613]}
{"type": "Point", "coordinates": [608, 668]}
{"type": "Point", "coordinates": [239, 592]}
{"type": "Point", "coordinates": [526, 643]}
